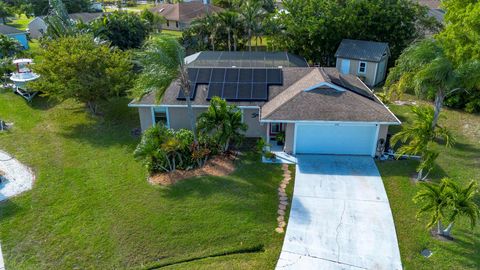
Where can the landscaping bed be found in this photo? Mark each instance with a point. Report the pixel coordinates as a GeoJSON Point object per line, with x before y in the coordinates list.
{"type": "Point", "coordinates": [220, 165]}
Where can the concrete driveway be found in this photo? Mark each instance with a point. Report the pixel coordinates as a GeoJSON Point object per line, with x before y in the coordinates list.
{"type": "Point", "coordinates": [340, 217]}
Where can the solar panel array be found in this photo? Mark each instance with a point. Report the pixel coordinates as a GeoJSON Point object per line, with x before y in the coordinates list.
{"type": "Point", "coordinates": [234, 84]}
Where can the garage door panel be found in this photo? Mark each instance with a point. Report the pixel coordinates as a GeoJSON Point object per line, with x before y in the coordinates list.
{"type": "Point", "coordinates": [335, 139]}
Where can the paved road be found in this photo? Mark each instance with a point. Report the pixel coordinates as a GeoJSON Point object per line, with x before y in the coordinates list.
{"type": "Point", "coordinates": [340, 217]}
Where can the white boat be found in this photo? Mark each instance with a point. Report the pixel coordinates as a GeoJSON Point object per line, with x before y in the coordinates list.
{"type": "Point", "coordinates": [22, 76]}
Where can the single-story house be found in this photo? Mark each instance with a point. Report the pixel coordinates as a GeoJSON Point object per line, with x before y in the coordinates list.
{"type": "Point", "coordinates": [366, 59]}
{"type": "Point", "coordinates": [179, 16]}
{"type": "Point", "coordinates": [320, 110]}
{"type": "Point", "coordinates": [37, 27]}
{"type": "Point", "coordinates": [15, 33]}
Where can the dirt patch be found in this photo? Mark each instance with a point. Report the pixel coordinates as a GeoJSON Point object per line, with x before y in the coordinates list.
{"type": "Point", "coordinates": [218, 166]}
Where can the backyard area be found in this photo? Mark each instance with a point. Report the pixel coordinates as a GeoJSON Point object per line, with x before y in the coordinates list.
{"type": "Point", "coordinates": [91, 206]}
{"type": "Point", "coordinates": [461, 163]}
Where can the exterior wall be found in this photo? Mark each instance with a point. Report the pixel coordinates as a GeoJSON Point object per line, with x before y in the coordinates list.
{"type": "Point", "coordinates": [255, 128]}
{"type": "Point", "coordinates": [22, 38]}
{"type": "Point", "coordinates": [172, 25]}
{"type": "Point", "coordinates": [369, 75]}
{"type": "Point", "coordinates": [178, 116]}
{"type": "Point", "coordinates": [146, 119]}
{"type": "Point", "coordinates": [37, 27]}
{"type": "Point", "coordinates": [289, 137]}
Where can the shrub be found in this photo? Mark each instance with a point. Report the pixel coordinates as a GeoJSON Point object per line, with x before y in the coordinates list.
{"type": "Point", "coordinates": [166, 150]}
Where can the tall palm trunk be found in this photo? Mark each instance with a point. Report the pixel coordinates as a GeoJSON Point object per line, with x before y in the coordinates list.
{"type": "Point", "coordinates": [249, 40]}
{"type": "Point", "coordinates": [229, 43]}
{"type": "Point", "coordinates": [439, 97]}
{"type": "Point", "coordinates": [185, 86]}
{"type": "Point", "coordinates": [439, 228]}
{"type": "Point", "coordinates": [234, 43]}
{"type": "Point", "coordinates": [447, 230]}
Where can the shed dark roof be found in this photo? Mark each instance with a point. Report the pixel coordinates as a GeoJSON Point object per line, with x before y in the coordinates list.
{"type": "Point", "coordinates": [185, 11]}
{"type": "Point", "coordinates": [362, 50]}
{"type": "Point", "coordinates": [8, 30]}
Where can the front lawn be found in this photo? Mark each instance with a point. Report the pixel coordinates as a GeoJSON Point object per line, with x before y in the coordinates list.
{"type": "Point", "coordinates": [461, 163]}
{"type": "Point", "coordinates": [91, 207]}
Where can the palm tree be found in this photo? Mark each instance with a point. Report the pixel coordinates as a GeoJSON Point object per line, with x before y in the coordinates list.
{"type": "Point", "coordinates": [461, 202]}
{"type": "Point", "coordinates": [418, 138]}
{"type": "Point", "coordinates": [230, 20]}
{"type": "Point", "coordinates": [425, 68]}
{"type": "Point", "coordinates": [433, 200]}
{"type": "Point", "coordinates": [252, 13]}
{"type": "Point", "coordinates": [223, 121]}
{"type": "Point", "coordinates": [447, 200]}
{"type": "Point", "coordinates": [163, 62]}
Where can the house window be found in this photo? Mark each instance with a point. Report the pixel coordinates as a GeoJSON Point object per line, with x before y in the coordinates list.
{"type": "Point", "coordinates": [168, 23]}
{"type": "Point", "coordinates": [176, 24]}
{"type": "Point", "coordinates": [276, 128]}
{"type": "Point", "coordinates": [362, 67]}
{"type": "Point", "coordinates": [160, 116]}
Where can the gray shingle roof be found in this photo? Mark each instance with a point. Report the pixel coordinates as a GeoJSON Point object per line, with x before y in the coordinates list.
{"type": "Point", "coordinates": [362, 50]}
{"type": "Point", "coordinates": [325, 103]}
{"type": "Point", "coordinates": [8, 30]}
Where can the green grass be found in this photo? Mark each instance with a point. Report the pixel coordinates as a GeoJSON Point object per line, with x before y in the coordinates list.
{"type": "Point", "coordinates": [20, 22]}
{"type": "Point", "coordinates": [461, 163]}
{"type": "Point", "coordinates": [92, 208]}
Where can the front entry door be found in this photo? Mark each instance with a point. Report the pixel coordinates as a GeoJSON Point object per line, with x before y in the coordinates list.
{"type": "Point", "coordinates": [276, 128]}
{"type": "Point", "coordinates": [345, 68]}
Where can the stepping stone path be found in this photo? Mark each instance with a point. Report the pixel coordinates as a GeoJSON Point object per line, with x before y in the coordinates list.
{"type": "Point", "coordinates": [283, 199]}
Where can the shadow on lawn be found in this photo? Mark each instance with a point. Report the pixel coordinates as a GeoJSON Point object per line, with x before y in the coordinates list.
{"type": "Point", "coordinates": [465, 250]}
{"type": "Point", "coordinates": [113, 126]}
{"type": "Point", "coordinates": [8, 209]}
{"type": "Point", "coordinates": [407, 168]}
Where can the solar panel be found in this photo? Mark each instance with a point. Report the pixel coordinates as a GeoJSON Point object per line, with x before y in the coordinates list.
{"type": "Point", "coordinates": [218, 75]}
{"type": "Point", "coordinates": [215, 90]}
{"type": "Point", "coordinates": [260, 91]}
{"type": "Point", "coordinates": [192, 74]}
{"type": "Point", "coordinates": [230, 91]}
{"type": "Point", "coordinates": [259, 75]}
{"type": "Point", "coordinates": [235, 83]}
{"type": "Point", "coordinates": [232, 75]}
{"type": "Point", "coordinates": [203, 76]}
{"type": "Point", "coordinates": [274, 76]}
{"type": "Point", "coordinates": [244, 91]}
{"type": "Point", "coordinates": [193, 91]}
{"type": "Point", "coordinates": [245, 75]}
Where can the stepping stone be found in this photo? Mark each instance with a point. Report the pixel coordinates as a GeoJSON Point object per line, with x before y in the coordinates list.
{"type": "Point", "coordinates": [283, 197]}
{"type": "Point", "coordinates": [283, 186]}
{"type": "Point", "coordinates": [282, 207]}
{"type": "Point", "coordinates": [282, 224]}
{"type": "Point", "coordinates": [280, 218]}
{"type": "Point", "coordinates": [288, 178]}
{"type": "Point", "coordinates": [279, 230]}
{"type": "Point", "coordinates": [281, 212]}
{"type": "Point", "coordinates": [281, 190]}
{"type": "Point", "coordinates": [284, 202]}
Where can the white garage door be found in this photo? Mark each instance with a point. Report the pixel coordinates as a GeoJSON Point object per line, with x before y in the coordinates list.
{"type": "Point", "coordinates": [335, 139]}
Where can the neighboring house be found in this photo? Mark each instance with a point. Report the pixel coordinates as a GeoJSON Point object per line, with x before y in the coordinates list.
{"type": "Point", "coordinates": [37, 27]}
{"type": "Point", "coordinates": [13, 32]}
{"type": "Point", "coordinates": [366, 59]}
{"type": "Point", "coordinates": [320, 110]}
{"type": "Point", "coordinates": [179, 16]}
